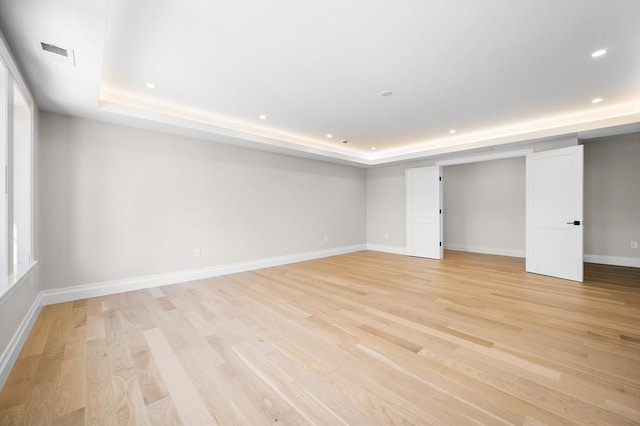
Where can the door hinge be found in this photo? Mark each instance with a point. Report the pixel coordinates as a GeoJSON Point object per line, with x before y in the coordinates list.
{"type": "Point", "coordinates": [440, 178]}
{"type": "Point", "coordinates": [440, 243]}
{"type": "Point", "coordinates": [440, 211]}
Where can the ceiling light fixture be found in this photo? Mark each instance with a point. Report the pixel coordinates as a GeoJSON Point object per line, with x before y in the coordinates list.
{"type": "Point", "coordinates": [345, 141]}
{"type": "Point", "coordinates": [262, 117]}
{"type": "Point", "coordinates": [150, 85]}
{"type": "Point", "coordinates": [452, 131]}
{"type": "Point", "coordinates": [386, 93]}
{"type": "Point", "coordinates": [599, 53]}
{"type": "Point", "coordinates": [596, 100]}
{"type": "Point", "coordinates": [373, 148]}
{"type": "Point", "coordinates": [329, 135]}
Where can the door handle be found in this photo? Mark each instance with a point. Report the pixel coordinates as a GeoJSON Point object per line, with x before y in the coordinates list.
{"type": "Point", "coordinates": [575, 222]}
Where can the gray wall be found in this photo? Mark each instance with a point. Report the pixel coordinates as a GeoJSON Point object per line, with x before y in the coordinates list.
{"type": "Point", "coordinates": [123, 202]}
{"type": "Point", "coordinates": [15, 303]}
{"type": "Point", "coordinates": [612, 196]}
{"type": "Point", "coordinates": [386, 204]}
{"type": "Point", "coordinates": [463, 210]}
{"type": "Point", "coordinates": [14, 306]}
{"type": "Point", "coordinates": [484, 207]}
{"type": "Point", "coordinates": [119, 202]}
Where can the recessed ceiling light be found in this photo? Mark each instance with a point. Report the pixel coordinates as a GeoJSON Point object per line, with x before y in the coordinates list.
{"type": "Point", "coordinates": [596, 100]}
{"type": "Point", "coordinates": [329, 135]}
{"type": "Point", "coordinates": [373, 148]}
{"type": "Point", "coordinates": [386, 93]}
{"type": "Point", "coordinates": [452, 131]}
{"type": "Point", "coordinates": [262, 117]}
{"type": "Point", "coordinates": [150, 85]}
{"type": "Point", "coordinates": [599, 53]}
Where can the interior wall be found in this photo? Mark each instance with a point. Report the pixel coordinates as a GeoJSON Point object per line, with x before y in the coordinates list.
{"type": "Point", "coordinates": [612, 197]}
{"type": "Point", "coordinates": [19, 299]}
{"type": "Point", "coordinates": [386, 205]}
{"type": "Point", "coordinates": [14, 306]}
{"type": "Point", "coordinates": [121, 202]}
{"type": "Point", "coordinates": [16, 303]}
{"type": "Point", "coordinates": [484, 207]}
{"type": "Point", "coordinates": [386, 200]}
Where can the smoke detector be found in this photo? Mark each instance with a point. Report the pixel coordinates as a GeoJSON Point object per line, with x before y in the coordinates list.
{"type": "Point", "coordinates": [57, 53]}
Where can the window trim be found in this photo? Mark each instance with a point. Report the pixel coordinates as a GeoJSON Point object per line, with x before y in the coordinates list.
{"type": "Point", "coordinates": [14, 72]}
{"type": "Point", "coordinates": [14, 282]}
{"type": "Point", "coordinates": [15, 79]}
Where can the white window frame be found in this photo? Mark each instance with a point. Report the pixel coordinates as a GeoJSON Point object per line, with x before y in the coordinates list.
{"type": "Point", "coordinates": [9, 280]}
{"type": "Point", "coordinates": [16, 268]}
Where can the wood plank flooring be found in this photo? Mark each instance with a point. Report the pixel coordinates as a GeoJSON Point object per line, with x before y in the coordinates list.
{"type": "Point", "coordinates": [360, 339]}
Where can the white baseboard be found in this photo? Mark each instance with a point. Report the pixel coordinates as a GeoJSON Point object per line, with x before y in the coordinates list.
{"type": "Point", "coordinates": [387, 249]}
{"type": "Point", "coordinates": [485, 250]}
{"type": "Point", "coordinates": [104, 288]}
{"type": "Point", "coordinates": [47, 297]}
{"type": "Point", "coordinates": [11, 352]}
{"type": "Point", "coordinates": [632, 262]}
{"type": "Point", "coordinates": [68, 294]}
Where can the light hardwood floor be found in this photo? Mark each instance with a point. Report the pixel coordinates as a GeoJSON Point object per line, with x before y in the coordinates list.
{"type": "Point", "coordinates": [360, 339]}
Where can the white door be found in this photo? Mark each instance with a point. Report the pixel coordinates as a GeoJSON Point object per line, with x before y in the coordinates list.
{"type": "Point", "coordinates": [424, 212]}
{"type": "Point", "coordinates": [554, 213]}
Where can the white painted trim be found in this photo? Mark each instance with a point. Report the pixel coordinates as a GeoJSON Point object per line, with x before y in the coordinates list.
{"type": "Point", "coordinates": [485, 157]}
{"type": "Point", "coordinates": [387, 249]}
{"type": "Point", "coordinates": [222, 130]}
{"type": "Point", "coordinates": [138, 112]}
{"type": "Point", "coordinates": [632, 262]}
{"type": "Point", "coordinates": [47, 297]}
{"type": "Point", "coordinates": [13, 348]}
{"type": "Point", "coordinates": [14, 282]}
{"type": "Point", "coordinates": [104, 288]}
{"type": "Point", "coordinates": [456, 247]}
{"type": "Point", "coordinates": [14, 71]}
{"type": "Point", "coordinates": [68, 294]}
{"type": "Point", "coordinates": [485, 250]}
{"type": "Point", "coordinates": [617, 115]}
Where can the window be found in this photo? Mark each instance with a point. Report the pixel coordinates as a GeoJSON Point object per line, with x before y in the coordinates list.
{"type": "Point", "coordinates": [16, 180]}
{"type": "Point", "coordinates": [4, 135]}
{"type": "Point", "coordinates": [20, 255]}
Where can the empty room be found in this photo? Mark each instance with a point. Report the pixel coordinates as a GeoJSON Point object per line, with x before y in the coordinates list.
{"type": "Point", "coordinates": [320, 212]}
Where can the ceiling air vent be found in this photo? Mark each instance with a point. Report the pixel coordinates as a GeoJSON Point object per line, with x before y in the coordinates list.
{"type": "Point", "coordinates": [55, 49]}
{"type": "Point", "coordinates": [58, 53]}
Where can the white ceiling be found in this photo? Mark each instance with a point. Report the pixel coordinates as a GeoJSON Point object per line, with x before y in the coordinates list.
{"type": "Point", "coordinates": [498, 72]}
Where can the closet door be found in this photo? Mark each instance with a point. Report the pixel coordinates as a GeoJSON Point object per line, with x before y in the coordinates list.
{"type": "Point", "coordinates": [424, 212]}
{"type": "Point", "coordinates": [554, 225]}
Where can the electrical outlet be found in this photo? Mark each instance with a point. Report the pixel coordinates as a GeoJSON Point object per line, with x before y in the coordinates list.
{"type": "Point", "coordinates": [196, 252]}
{"type": "Point", "coordinates": [326, 238]}
{"type": "Point", "coordinates": [634, 244]}
{"type": "Point", "coordinates": [386, 235]}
